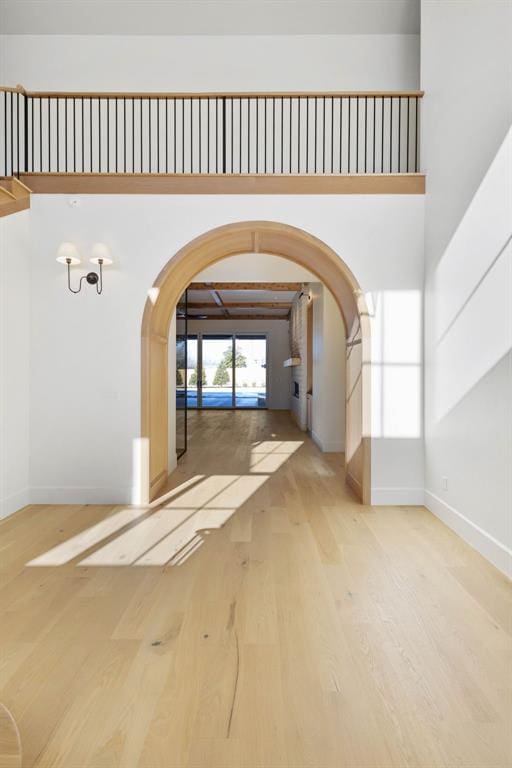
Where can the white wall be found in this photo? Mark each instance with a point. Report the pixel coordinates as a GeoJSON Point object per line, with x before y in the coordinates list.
{"type": "Point", "coordinates": [85, 397]}
{"type": "Point", "coordinates": [235, 63]}
{"type": "Point", "coordinates": [278, 349]}
{"type": "Point", "coordinates": [14, 362]}
{"type": "Point", "coordinates": [299, 348]}
{"type": "Point", "coordinates": [329, 350]}
{"type": "Point", "coordinates": [467, 154]}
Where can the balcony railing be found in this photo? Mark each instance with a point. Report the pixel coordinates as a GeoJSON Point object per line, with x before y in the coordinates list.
{"type": "Point", "coordinates": [233, 134]}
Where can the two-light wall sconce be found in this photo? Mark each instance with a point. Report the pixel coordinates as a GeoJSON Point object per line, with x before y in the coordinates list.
{"type": "Point", "coordinates": [68, 254]}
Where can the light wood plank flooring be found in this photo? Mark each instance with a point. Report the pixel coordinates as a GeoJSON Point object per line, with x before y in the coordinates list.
{"type": "Point", "coordinates": [258, 617]}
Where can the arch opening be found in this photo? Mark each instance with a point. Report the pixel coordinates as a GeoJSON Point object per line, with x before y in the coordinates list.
{"type": "Point", "coordinates": [290, 243]}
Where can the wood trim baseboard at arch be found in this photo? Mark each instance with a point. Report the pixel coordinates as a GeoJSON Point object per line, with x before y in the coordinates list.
{"type": "Point", "coordinates": [223, 184]}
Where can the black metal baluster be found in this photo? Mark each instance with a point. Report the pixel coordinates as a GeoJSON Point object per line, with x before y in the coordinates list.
{"type": "Point", "coordinates": [290, 153]}
{"type": "Point", "coordinates": [5, 134]}
{"type": "Point", "coordinates": [65, 134]}
{"type": "Point", "coordinates": [349, 130]}
{"type": "Point", "coordinates": [323, 134]}
{"type": "Point", "coordinates": [49, 138]}
{"type": "Point", "coordinates": [416, 137]}
{"type": "Point", "coordinates": [273, 134]}
{"type": "Point", "coordinates": [6, 128]}
{"type": "Point", "coordinates": [124, 134]}
{"type": "Point", "coordinates": [265, 136]}
{"type": "Point", "coordinates": [216, 134]}
{"type": "Point", "coordinates": [32, 165]}
{"type": "Point", "coordinates": [108, 135]}
{"type": "Point", "coordinates": [391, 136]}
{"type": "Point", "coordinates": [316, 132]}
{"type": "Point", "coordinates": [282, 135]}
{"type": "Point", "coordinates": [332, 134]}
{"type": "Point", "coordinates": [133, 135]}
{"type": "Point", "coordinates": [248, 135]}
{"type": "Point", "coordinates": [57, 102]}
{"type": "Point", "coordinates": [408, 146]}
{"type": "Point", "coordinates": [382, 134]}
{"type": "Point", "coordinates": [17, 134]}
{"type": "Point", "coordinates": [373, 135]}
{"type": "Point", "coordinates": [357, 134]}
{"type": "Point", "coordinates": [157, 107]}
{"type": "Point", "coordinates": [12, 134]}
{"type": "Point", "coordinates": [183, 135]}
{"type": "Point", "coordinates": [200, 103]}
{"type": "Point", "coordinates": [298, 134]}
{"type": "Point", "coordinates": [149, 134]}
{"type": "Point", "coordinates": [191, 136]}
{"type": "Point", "coordinates": [141, 135]}
{"type": "Point", "coordinates": [208, 136]}
{"type": "Point", "coordinates": [341, 133]}
{"type": "Point", "coordinates": [90, 130]}
{"type": "Point", "coordinates": [174, 119]}
{"type": "Point", "coordinates": [116, 127]}
{"type": "Point", "coordinates": [167, 135]}
{"type": "Point", "coordinates": [83, 133]}
{"type": "Point", "coordinates": [74, 134]}
{"type": "Point", "coordinates": [99, 133]}
{"type": "Point", "coordinates": [232, 108]}
{"type": "Point", "coordinates": [399, 129]}
{"type": "Point", "coordinates": [365, 132]}
{"type": "Point", "coordinates": [307, 134]}
{"type": "Point", "coordinates": [257, 133]}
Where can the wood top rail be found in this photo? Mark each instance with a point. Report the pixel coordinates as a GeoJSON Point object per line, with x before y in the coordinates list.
{"type": "Point", "coordinates": [213, 95]}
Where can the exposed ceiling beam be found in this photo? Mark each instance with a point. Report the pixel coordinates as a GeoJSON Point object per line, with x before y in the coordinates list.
{"type": "Point", "coordinates": [245, 287]}
{"type": "Point", "coordinates": [238, 317]}
{"type": "Point", "coordinates": [241, 304]}
{"type": "Point", "coordinates": [217, 299]}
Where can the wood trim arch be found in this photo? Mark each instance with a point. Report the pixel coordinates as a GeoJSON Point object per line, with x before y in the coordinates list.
{"type": "Point", "coordinates": [269, 237]}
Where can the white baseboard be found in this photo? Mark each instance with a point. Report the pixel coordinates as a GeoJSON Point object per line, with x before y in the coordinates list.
{"type": "Point", "coordinates": [15, 501]}
{"type": "Point", "coordinates": [398, 497]}
{"type": "Point", "coordinates": [327, 447]}
{"type": "Point", "coordinates": [492, 549]}
{"type": "Point", "coordinates": [80, 495]}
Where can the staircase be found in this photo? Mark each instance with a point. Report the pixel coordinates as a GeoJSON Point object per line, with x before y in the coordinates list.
{"type": "Point", "coordinates": [14, 195]}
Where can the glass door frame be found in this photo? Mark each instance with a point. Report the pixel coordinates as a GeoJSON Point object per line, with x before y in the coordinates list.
{"type": "Point", "coordinates": [182, 318]}
{"type": "Point", "coordinates": [199, 335]}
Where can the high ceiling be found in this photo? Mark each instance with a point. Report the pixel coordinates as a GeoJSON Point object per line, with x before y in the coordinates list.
{"type": "Point", "coordinates": [210, 17]}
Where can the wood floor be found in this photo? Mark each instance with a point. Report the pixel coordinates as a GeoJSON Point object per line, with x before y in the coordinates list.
{"type": "Point", "coordinates": [259, 617]}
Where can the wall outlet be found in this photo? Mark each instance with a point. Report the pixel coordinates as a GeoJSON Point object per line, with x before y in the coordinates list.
{"type": "Point", "coordinates": [444, 483]}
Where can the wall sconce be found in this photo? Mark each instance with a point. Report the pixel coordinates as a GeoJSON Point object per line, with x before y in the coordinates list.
{"type": "Point", "coordinates": [68, 254]}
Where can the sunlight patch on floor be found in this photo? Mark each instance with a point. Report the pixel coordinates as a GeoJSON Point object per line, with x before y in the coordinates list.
{"type": "Point", "coordinates": [173, 527]}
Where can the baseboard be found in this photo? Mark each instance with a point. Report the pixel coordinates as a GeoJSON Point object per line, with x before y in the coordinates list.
{"type": "Point", "coordinates": [327, 447]}
{"type": "Point", "coordinates": [80, 495]}
{"type": "Point", "coordinates": [354, 484]}
{"type": "Point", "coordinates": [14, 502]}
{"type": "Point", "coordinates": [398, 497]}
{"type": "Point", "coordinates": [489, 547]}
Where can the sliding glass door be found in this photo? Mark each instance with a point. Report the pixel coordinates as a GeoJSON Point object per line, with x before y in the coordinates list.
{"type": "Point", "coordinates": [227, 371]}
{"type": "Point", "coordinates": [250, 371]}
{"type": "Point", "coordinates": [217, 372]}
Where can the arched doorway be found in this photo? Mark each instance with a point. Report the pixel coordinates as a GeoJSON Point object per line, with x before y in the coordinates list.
{"type": "Point", "coordinates": [255, 237]}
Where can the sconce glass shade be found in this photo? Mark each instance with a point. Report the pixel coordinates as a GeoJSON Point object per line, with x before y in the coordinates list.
{"type": "Point", "coordinates": [101, 252]}
{"type": "Point", "coordinates": [67, 253]}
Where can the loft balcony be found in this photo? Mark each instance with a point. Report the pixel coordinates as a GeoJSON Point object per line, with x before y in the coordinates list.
{"type": "Point", "coordinates": [212, 143]}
